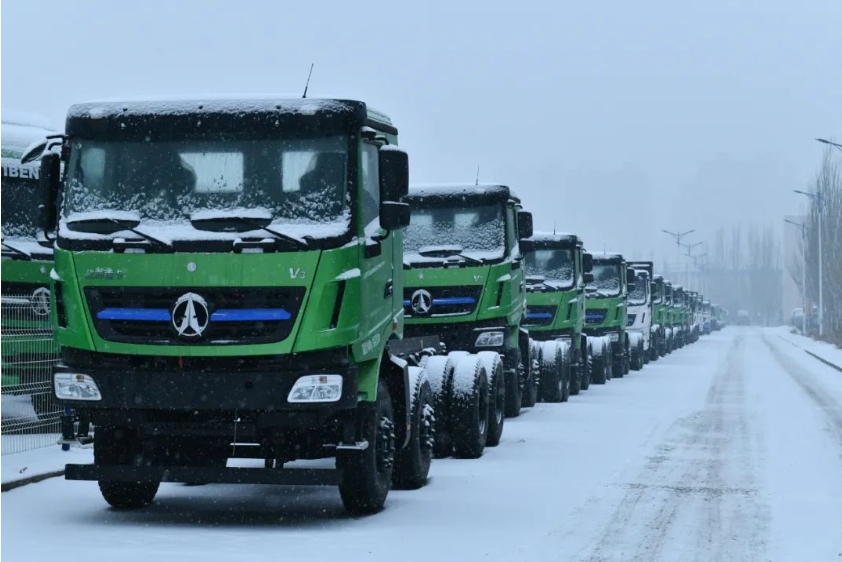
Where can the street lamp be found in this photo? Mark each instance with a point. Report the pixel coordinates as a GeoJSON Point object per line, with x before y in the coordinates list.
{"type": "Point", "coordinates": [687, 264]}
{"type": "Point", "coordinates": [678, 236]}
{"type": "Point", "coordinates": [830, 143]}
{"type": "Point", "coordinates": [819, 201]}
{"type": "Point", "coordinates": [803, 228]}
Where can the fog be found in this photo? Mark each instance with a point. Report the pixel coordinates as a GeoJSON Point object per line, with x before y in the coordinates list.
{"type": "Point", "coordinates": [613, 120]}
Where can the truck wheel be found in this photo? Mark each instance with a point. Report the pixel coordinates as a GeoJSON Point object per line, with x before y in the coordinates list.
{"type": "Point", "coordinates": [598, 367]}
{"type": "Point", "coordinates": [412, 463]}
{"type": "Point", "coordinates": [575, 374]}
{"type": "Point", "coordinates": [367, 474]}
{"type": "Point", "coordinates": [609, 361]}
{"type": "Point", "coordinates": [566, 371]}
{"type": "Point", "coordinates": [470, 407]}
{"type": "Point", "coordinates": [121, 446]}
{"type": "Point", "coordinates": [552, 378]}
{"type": "Point", "coordinates": [531, 378]}
{"type": "Point", "coordinates": [585, 366]}
{"type": "Point", "coordinates": [440, 374]}
{"type": "Point", "coordinates": [654, 348]}
{"type": "Point", "coordinates": [497, 386]}
{"type": "Point", "coordinates": [617, 361]}
{"type": "Point", "coordinates": [515, 376]}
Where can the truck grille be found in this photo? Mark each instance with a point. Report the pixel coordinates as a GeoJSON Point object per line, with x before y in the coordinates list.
{"type": "Point", "coordinates": [440, 301]}
{"type": "Point", "coordinates": [221, 315]}
{"type": "Point", "coordinates": [539, 315]}
{"type": "Point", "coordinates": [25, 309]}
{"type": "Point", "coordinates": [595, 316]}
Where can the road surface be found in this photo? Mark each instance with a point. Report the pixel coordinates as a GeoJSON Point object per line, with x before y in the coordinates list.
{"type": "Point", "coordinates": [729, 449]}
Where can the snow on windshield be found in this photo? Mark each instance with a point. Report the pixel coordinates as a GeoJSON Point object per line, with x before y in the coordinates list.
{"type": "Point", "coordinates": [479, 231]}
{"type": "Point", "coordinates": [299, 183]}
{"type": "Point", "coordinates": [20, 199]}
{"type": "Point", "coordinates": [557, 265]}
{"type": "Point", "coordinates": [606, 278]}
{"type": "Point", "coordinates": [638, 294]}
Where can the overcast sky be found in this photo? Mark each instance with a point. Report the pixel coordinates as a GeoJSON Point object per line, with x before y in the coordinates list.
{"type": "Point", "coordinates": [612, 119]}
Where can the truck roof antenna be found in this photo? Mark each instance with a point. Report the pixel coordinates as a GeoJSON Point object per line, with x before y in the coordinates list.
{"type": "Point", "coordinates": [307, 85]}
{"type": "Point", "coordinates": [477, 181]}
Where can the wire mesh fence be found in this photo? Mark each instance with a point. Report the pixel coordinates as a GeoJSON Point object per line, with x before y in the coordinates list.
{"type": "Point", "coordinates": [29, 418]}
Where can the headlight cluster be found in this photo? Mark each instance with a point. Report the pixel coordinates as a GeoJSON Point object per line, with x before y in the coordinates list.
{"type": "Point", "coordinates": [76, 386]}
{"type": "Point", "coordinates": [490, 339]}
{"type": "Point", "coordinates": [316, 388]}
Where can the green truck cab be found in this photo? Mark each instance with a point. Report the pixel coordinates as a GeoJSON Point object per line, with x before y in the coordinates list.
{"type": "Point", "coordinates": [28, 344]}
{"type": "Point", "coordinates": [606, 314]}
{"type": "Point", "coordinates": [660, 318]}
{"type": "Point", "coordinates": [557, 270]}
{"type": "Point", "coordinates": [228, 285]}
{"type": "Point", "coordinates": [464, 284]}
{"type": "Point", "coordinates": [680, 317]}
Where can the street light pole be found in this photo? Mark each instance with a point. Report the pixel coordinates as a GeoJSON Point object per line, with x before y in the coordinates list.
{"type": "Point", "coordinates": [829, 143]}
{"type": "Point", "coordinates": [819, 201]}
{"type": "Point", "coordinates": [803, 275]}
{"type": "Point", "coordinates": [678, 236]}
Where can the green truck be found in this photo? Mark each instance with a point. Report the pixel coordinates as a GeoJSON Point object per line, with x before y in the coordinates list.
{"type": "Point", "coordinates": [557, 270]}
{"type": "Point", "coordinates": [680, 317]}
{"type": "Point", "coordinates": [28, 343]}
{"type": "Point", "coordinates": [228, 285]}
{"type": "Point", "coordinates": [606, 316]}
{"type": "Point", "coordinates": [660, 318]}
{"type": "Point", "coordinates": [463, 284]}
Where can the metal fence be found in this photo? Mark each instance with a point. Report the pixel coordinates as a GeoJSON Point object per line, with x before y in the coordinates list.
{"type": "Point", "coordinates": [29, 418]}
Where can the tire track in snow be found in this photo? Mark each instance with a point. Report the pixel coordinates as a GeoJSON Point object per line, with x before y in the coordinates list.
{"type": "Point", "coordinates": [698, 495]}
{"type": "Point", "coordinates": [831, 408]}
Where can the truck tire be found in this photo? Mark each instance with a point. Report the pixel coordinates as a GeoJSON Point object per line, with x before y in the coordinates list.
{"type": "Point", "coordinates": [575, 374]}
{"type": "Point", "coordinates": [412, 463]}
{"type": "Point", "coordinates": [517, 382]}
{"type": "Point", "coordinates": [471, 408]}
{"type": "Point", "coordinates": [609, 361]}
{"type": "Point", "coordinates": [636, 358]}
{"type": "Point", "coordinates": [585, 366]}
{"type": "Point", "coordinates": [121, 446]}
{"type": "Point", "coordinates": [655, 348]}
{"type": "Point", "coordinates": [599, 369]}
{"type": "Point", "coordinates": [497, 388]}
{"type": "Point", "coordinates": [552, 377]}
{"type": "Point", "coordinates": [367, 474]}
{"type": "Point", "coordinates": [618, 361]}
{"type": "Point", "coordinates": [440, 374]}
{"type": "Point", "coordinates": [532, 380]}
{"type": "Point", "coordinates": [566, 370]}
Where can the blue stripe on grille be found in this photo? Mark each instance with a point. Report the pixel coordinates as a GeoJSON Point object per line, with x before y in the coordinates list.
{"type": "Point", "coordinates": [538, 316]}
{"type": "Point", "coordinates": [136, 314]}
{"type": "Point", "coordinates": [222, 315]}
{"type": "Point", "coordinates": [444, 301]}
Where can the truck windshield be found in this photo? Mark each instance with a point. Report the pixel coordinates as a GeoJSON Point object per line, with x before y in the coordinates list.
{"type": "Point", "coordinates": [638, 294]}
{"type": "Point", "coordinates": [20, 199]}
{"type": "Point", "coordinates": [606, 278]}
{"type": "Point", "coordinates": [300, 184]}
{"type": "Point", "coordinates": [479, 231]}
{"type": "Point", "coordinates": [557, 266]}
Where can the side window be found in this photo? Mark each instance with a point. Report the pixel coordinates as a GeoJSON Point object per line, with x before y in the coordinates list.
{"type": "Point", "coordinates": [371, 184]}
{"type": "Point", "coordinates": [511, 228]}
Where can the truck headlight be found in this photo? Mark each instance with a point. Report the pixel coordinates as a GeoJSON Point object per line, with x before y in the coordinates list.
{"type": "Point", "coordinates": [490, 339]}
{"type": "Point", "coordinates": [76, 386]}
{"type": "Point", "coordinates": [316, 388]}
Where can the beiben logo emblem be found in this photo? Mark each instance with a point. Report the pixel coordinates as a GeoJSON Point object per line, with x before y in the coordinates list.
{"type": "Point", "coordinates": [190, 315]}
{"type": "Point", "coordinates": [421, 301]}
{"type": "Point", "coordinates": [40, 301]}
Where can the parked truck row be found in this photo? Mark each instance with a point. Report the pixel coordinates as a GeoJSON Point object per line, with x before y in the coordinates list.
{"type": "Point", "coordinates": [255, 279]}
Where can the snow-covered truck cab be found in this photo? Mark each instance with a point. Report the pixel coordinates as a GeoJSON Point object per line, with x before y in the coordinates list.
{"type": "Point", "coordinates": [464, 284]}
{"type": "Point", "coordinates": [227, 282]}
{"type": "Point", "coordinates": [606, 309]}
{"type": "Point", "coordinates": [640, 314]}
{"type": "Point", "coordinates": [680, 317]}
{"type": "Point", "coordinates": [707, 318]}
{"type": "Point", "coordinates": [659, 318]}
{"type": "Point", "coordinates": [27, 260]}
{"type": "Point", "coordinates": [556, 269]}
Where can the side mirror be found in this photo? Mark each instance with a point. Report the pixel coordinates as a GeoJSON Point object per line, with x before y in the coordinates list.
{"type": "Point", "coordinates": [631, 276]}
{"type": "Point", "coordinates": [587, 262]}
{"type": "Point", "coordinates": [653, 288]}
{"type": "Point", "coordinates": [524, 224]}
{"type": "Point", "coordinates": [49, 186]}
{"type": "Point", "coordinates": [394, 215]}
{"type": "Point", "coordinates": [394, 174]}
{"type": "Point", "coordinates": [588, 276]}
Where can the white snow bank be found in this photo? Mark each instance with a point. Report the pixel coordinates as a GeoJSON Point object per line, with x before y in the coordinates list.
{"type": "Point", "coordinates": [822, 350]}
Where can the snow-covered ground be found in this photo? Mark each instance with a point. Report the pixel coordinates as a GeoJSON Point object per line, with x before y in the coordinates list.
{"type": "Point", "coordinates": [824, 351]}
{"type": "Point", "coordinates": [730, 449]}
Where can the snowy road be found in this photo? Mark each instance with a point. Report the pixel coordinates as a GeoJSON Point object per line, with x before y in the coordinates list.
{"type": "Point", "coordinates": [730, 449]}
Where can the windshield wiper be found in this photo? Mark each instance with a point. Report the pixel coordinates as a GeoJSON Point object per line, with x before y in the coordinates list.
{"type": "Point", "coordinates": [21, 254]}
{"type": "Point", "coordinates": [151, 239]}
{"type": "Point", "coordinates": [255, 224]}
